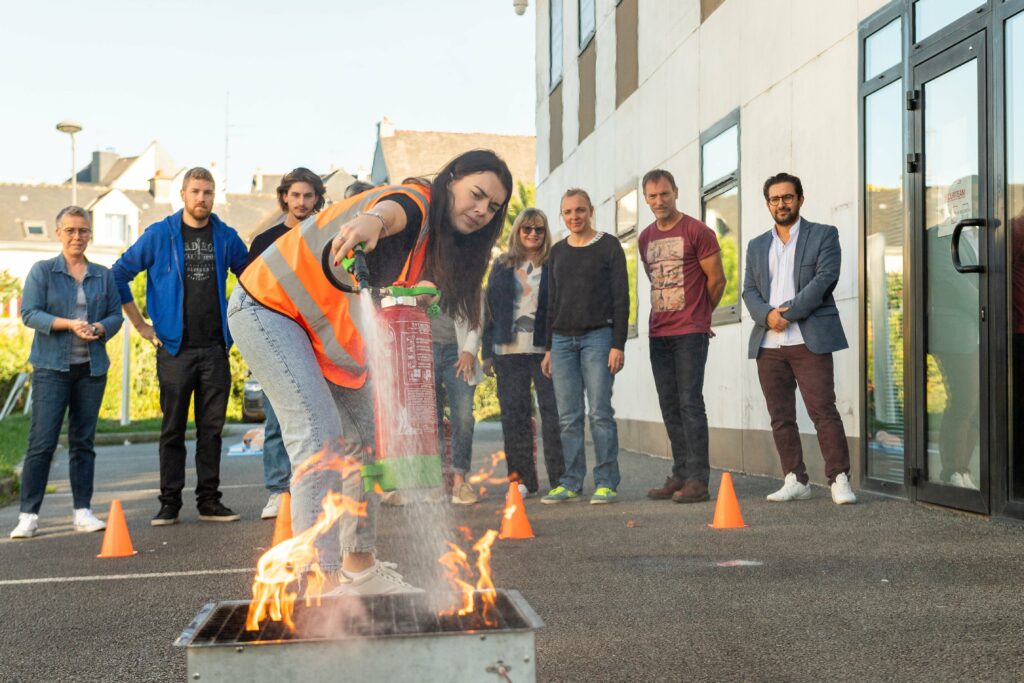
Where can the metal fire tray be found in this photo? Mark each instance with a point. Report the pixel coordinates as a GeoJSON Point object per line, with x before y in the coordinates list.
{"type": "Point", "coordinates": [393, 638]}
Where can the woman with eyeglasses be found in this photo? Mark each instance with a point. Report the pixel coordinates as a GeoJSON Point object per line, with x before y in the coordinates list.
{"type": "Point", "coordinates": [513, 347]}
{"type": "Point", "coordinates": [74, 308]}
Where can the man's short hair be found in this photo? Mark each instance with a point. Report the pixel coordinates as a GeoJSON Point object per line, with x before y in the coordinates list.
{"type": "Point", "coordinates": [784, 178]}
{"type": "Point", "coordinates": [578, 192]}
{"type": "Point", "coordinates": [302, 175]}
{"type": "Point", "coordinates": [73, 211]}
{"type": "Point", "coordinates": [656, 175]}
{"type": "Point", "coordinates": [197, 173]}
{"type": "Point", "coordinates": [358, 187]}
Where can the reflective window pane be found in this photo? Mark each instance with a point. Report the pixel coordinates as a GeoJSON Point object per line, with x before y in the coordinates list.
{"type": "Point", "coordinates": [555, 41]}
{"type": "Point", "coordinates": [1015, 211]}
{"type": "Point", "coordinates": [720, 156]}
{"type": "Point", "coordinates": [588, 20]}
{"type": "Point", "coordinates": [722, 214]}
{"type": "Point", "coordinates": [626, 213]}
{"type": "Point", "coordinates": [883, 49]}
{"type": "Point", "coordinates": [932, 15]}
{"type": "Point", "coordinates": [883, 256]}
{"type": "Point", "coordinates": [629, 246]}
{"type": "Point", "coordinates": [952, 351]}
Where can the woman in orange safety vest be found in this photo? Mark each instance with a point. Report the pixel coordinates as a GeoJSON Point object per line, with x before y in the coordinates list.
{"type": "Point", "coordinates": [299, 331]}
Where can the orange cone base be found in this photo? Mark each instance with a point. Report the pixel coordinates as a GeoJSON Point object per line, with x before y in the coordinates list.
{"type": "Point", "coordinates": [283, 523]}
{"type": "Point", "coordinates": [727, 508]}
{"type": "Point", "coordinates": [116, 541]}
{"type": "Point", "coordinates": [518, 526]}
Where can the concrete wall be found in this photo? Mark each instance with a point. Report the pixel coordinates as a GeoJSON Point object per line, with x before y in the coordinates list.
{"type": "Point", "coordinates": [790, 66]}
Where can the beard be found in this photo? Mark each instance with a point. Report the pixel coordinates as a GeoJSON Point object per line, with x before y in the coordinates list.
{"type": "Point", "coordinates": [791, 218]}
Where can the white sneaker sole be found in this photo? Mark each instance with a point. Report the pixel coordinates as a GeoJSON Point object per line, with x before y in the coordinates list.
{"type": "Point", "coordinates": [268, 514]}
{"type": "Point", "coordinates": [163, 522]}
{"type": "Point", "coordinates": [219, 518]}
{"type": "Point", "coordinates": [22, 534]}
{"type": "Point", "coordinates": [89, 529]}
{"type": "Point", "coordinates": [800, 496]}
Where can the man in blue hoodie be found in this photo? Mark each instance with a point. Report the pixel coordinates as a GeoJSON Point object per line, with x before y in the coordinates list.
{"type": "Point", "coordinates": [186, 257]}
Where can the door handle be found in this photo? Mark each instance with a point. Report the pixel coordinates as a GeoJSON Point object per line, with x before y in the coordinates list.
{"type": "Point", "coordinates": [954, 245]}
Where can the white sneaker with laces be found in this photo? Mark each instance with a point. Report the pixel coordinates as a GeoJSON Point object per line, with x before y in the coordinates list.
{"type": "Point", "coordinates": [962, 480]}
{"type": "Point", "coordinates": [380, 579]}
{"type": "Point", "coordinates": [27, 525]}
{"type": "Point", "coordinates": [86, 521]}
{"type": "Point", "coordinates": [463, 494]}
{"type": "Point", "coordinates": [842, 494]}
{"type": "Point", "coordinates": [272, 506]}
{"type": "Point", "coordinates": [791, 489]}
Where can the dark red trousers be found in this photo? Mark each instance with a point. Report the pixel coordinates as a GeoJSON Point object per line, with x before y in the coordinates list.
{"type": "Point", "coordinates": [781, 371]}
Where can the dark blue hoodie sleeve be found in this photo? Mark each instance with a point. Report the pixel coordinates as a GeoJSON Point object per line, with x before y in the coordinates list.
{"type": "Point", "coordinates": [133, 261]}
{"type": "Point", "coordinates": [238, 254]}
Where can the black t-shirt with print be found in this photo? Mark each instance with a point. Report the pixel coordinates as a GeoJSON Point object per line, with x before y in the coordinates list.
{"type": "Point", "coordinates": [202, 300]}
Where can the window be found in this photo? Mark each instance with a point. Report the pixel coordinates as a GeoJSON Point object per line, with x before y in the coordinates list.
{"type": "Point", "coordinates": [555, 43]}
{"type": "Point", "coordinates": [626, 206]}
{"type": "Point", "coordinates": [35, 229]}
{"type": "Point", "coordinates": [707, 7]}
{"type": "Point", "coordinates": [720, 202]}
{"type": "Point", "coordinates": [883, 49]}
{"type": "Point", "coordinates": [588, 21]}
{"type": "Point", "coordinates": [627, 63]}
{"type": "Point", "coordinates": [113, 229]}
{"type": "Point", "coordinates": [932, 15]}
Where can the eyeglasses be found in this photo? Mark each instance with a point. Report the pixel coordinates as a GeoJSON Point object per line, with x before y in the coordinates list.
{"type": "Point", "coordinates": [75, 232]}
{"type": "Point", "coordinates": [785, 199]}
{"type": "Point", "coordinates": [529, 229]}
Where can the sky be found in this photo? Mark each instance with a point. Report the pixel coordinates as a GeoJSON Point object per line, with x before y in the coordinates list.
{"type": "Point", "coordinates": [308, 80]}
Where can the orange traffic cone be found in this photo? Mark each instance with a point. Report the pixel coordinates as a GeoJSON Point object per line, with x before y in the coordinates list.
{"type": "Point", "coordinates": [727, 508]}
{"type": "Point", "coordinates": [283, 524]}
{"type": "Point", "coordinates": [116, 541]}
{"type": "Point", "coordinates": [514, 524]}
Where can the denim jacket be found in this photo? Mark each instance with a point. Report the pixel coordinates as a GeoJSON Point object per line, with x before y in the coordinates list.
{"type": "Point", "coordinates": [50, 293]}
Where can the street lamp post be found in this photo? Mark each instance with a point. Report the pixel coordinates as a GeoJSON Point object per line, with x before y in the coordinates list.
{"type": "Point", "coordinates": [71, 127]}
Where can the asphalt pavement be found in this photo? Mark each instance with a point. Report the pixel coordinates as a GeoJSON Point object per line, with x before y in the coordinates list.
{"type": "Point", "coordinates": [635, 591]}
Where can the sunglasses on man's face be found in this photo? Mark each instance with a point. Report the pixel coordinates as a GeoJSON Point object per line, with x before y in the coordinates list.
{"type": "Point", "coordinates": [529, 229]}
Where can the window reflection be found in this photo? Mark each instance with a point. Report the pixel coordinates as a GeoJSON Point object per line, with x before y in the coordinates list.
{"type": "Point", "coordinates": [1015, 210]}
{"type": "Point", "coordinates": [883, 149]}
{"type": "Point", "coordinates": [932, 15]}
{"type": "Point", "coordinates": [883, 49]}
{"type": "Point", "coordinates": [722, 214]}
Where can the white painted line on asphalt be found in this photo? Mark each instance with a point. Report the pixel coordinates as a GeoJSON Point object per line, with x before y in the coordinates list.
{"type": "Point", "coordinates": [123, 577]}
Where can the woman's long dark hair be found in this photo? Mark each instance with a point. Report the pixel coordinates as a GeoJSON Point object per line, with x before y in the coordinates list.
{"type": "Point", "coordinates": [456, 262]}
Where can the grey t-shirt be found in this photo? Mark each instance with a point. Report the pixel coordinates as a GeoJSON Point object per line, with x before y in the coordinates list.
{"type": "Point", "coordinates": [442, 328]}
{"type": "Point", "coordinates": [80, 347]}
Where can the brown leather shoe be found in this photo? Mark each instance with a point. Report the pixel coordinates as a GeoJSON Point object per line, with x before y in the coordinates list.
{"type": "Point", "coordinates": [692, 491]}
{"type": "Point", "coordinates": [665, 492]}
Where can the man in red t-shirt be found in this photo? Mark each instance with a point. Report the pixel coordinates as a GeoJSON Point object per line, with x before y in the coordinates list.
{"type": "Point", "coordinates": [684, 264]}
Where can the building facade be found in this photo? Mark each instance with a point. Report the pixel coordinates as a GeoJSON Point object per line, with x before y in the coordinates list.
{"type": "Point", "coordinates": [901, 117]}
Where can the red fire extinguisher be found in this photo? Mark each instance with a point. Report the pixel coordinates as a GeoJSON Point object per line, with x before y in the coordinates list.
{"type": "Point", "coordinates": [406, 412]}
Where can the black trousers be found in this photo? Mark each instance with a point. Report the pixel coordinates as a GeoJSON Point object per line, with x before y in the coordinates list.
{"type": "Point", "coordinates": [514, 373]}
{"type": "Point", "coordinates": [678, 365]}
{"type": "Point", "coordinates": [203, 372]}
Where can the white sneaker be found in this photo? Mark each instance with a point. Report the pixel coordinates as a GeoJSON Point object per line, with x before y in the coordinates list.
{"type": "Point", "coordinates": [842, 494]}
{"type": "Point", "coordinates": [27, 525]}
{"type": "Point", "coordinates": [86, 521]}
{"type": "Point", "coordinates": [272, 506]}
{"type": "Point", "coordinates": [524, 492]}
{"type": "Point", "coordinates": [379, 579]}
{"type": "Point", "coordinates": [463, 494]}
{"type": "Point", "coordinates": [792, 489]}
{"type": "Point", "coordinates": [962, 480]}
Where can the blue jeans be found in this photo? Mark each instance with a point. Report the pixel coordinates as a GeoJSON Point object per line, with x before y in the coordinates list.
{"type": "Point", "coordinates": [314, 414]}
{"type": "Point", "coordinates": [460, 401]}
{"type": "Point", "coordinates": [277, 469]}
{"type": "Point", "coordinates": [54, 393]}
{"type": "Point", "coordinates": [580, 365]}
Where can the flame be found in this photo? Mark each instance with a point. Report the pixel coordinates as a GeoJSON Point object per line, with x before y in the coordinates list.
{"type": "Point", "coordinates": [460, 575]}
{"type": "Point", "coordinates": [486, 474]}
{"type": "Point", "coordinates": [296, 558]}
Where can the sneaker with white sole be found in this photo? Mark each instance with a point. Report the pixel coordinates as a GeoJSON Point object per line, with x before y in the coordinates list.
{"type": "Point", "coordinates": [842, 494]}
{"type": "Point", "coordinates": [962, 480]}
{"type": "Point", "coordinates": [27, 525]}
{"type": "Point", "coordinates": [86, 521]}
{"type": "Point", "coordinates": [792, 489]}
{"type": "Point", "coordinates": [463, 494]}
{"type": "Point", "coordinates": [271, 508]}
{"type": "Point", "coordinates": [380, 579]}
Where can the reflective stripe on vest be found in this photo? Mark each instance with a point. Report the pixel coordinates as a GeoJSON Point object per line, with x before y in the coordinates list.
{"type": "Point", "coordinates": [288, 277]}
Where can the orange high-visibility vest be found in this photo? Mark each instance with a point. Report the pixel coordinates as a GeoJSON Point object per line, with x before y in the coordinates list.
{"type": "Point", "coordinates": [291, 277]}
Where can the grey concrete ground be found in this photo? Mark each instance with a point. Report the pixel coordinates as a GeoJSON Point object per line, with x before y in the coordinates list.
{"type": "Point", "coordinates": [635, 591]}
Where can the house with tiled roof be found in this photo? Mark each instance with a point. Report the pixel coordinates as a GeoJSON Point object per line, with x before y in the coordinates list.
{"type": "Point", "coordinates": [400, 154]}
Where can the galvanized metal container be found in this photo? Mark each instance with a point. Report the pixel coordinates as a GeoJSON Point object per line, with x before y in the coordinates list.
{"type": "Point", "coordinates": [395, 638]}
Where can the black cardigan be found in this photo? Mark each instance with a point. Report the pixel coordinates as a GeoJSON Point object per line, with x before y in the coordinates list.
{"type": "Point", "coordinates": [501, 294]}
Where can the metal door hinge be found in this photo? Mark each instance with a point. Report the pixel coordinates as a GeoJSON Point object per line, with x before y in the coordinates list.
{"type": "Point", "coordinates": [982, 314]}
{"type": "Point", "coordinates": [913, 99]}
{"type": "Point", "coordinates": [913, 162]}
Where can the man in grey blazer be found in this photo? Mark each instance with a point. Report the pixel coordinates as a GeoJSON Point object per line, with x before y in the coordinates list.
{"type": "Point", "coordinates": [791, 271]}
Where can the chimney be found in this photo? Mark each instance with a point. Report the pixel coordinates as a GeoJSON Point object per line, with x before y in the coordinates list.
{"type": "Point", "coordinates": [385, 129]}
{"type": "Point", "coordinates": [102, 162]}
{"type": "Point", "coordinates": [160, 188]}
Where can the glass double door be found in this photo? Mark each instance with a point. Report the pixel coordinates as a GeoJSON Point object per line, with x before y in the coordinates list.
{"type": "Point", "coordinates": [952, 235]}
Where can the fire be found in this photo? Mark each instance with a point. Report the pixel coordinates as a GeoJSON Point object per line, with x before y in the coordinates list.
{"type": "Point", "coordinates": [281, 567]}
{"type": "Point", "coordinates": [486, 474]}
{"type": "Point", "coordinates": [460, 573]}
